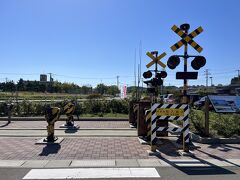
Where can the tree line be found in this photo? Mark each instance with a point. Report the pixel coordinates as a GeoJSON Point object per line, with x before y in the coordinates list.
{"type": "Point", "coordinates": [57, 87]}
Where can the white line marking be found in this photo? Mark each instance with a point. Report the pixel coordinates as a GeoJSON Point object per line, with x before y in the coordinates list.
{"type": "Point", "coordinates": [81, 173]}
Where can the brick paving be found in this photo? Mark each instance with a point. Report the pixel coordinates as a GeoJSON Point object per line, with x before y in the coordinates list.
{"type": "Point", "coordinates": [105, 148]}
{"type": "Point", "coordinates": [207, 151]}
{"type": "Point", "coordinates": [73, 149]}
{"type": "Point", "coordinates": [82, 124]}
{"type": "Point", "coordinates": [218, 151]}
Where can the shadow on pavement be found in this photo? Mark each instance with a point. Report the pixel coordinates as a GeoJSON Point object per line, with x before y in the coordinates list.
{"type": "Point", "coordinates": [218, 158]}
{"type": "Point", "coordinates": [71, 130]}
{"type": "Point", "coordinates": [50, 149]}
{"type": "Point", "coordinates": [6, 124]}
{"type": "Point", "coordinates": [168, 149]}
{"type": "Point", "coordinates": [211, 169]}
{"type": "Point", "coordinates": [232, 146]}
{"type": "Point", "coordinates": [224, 148]}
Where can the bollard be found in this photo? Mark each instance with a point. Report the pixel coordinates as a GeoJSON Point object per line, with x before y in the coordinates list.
{"type": "Point", "coordinates": [132, 118]}
{"type": "Point", "coordinates": [8, 110]}
{"type": "Point", "coordinates": [141, 124]}
{"type": "Point", "coordinates": [69, 109]}
{"type": "Point", "coordinates": [52, 114]}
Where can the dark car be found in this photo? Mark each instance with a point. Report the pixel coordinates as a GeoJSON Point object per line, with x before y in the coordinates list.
{"type": "Point", "coordinates": [200, 104]}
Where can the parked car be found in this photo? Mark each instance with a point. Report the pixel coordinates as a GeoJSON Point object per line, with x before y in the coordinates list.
{"type": "Point", "coordinates": [200, 104]}
{"type": "Point", "coordinates": [168, 98]}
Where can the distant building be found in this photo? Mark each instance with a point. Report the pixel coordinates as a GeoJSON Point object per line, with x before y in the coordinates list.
{"type": "Point", "coordinates": [232, 89]}
{"type": "Point", "coordinates": [43, 78]}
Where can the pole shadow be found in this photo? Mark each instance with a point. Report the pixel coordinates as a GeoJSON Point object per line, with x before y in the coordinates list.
{"type": "Point", "coordinates": [6, 124]}
{"type": "Point", "coordinates": [71, 130]}
{"type": "Point", "coordinates": [193, 168]}
{"type": "Point", "coordinates": [50, 149]}
{"type": "Point", "coordinates": [210, 169]}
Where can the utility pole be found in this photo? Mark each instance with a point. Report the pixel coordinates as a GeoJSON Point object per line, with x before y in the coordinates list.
{"type": "Point", "coordinates": [118, 82]}
{"type": "Point", "coordinates": [238, 73]}
{"type": "Point", "coordinates": [51, 81]}
{"type": "Point", "coordinates": [138, 94]}
{"type": "Point", "coordinates": [211, 80]}
{"type": "Point", "coordinates": [207, 74]}
{"type": "Point", "coordinates": [135, 78]}
{"type": "Point", "coordinates": [140, 64]}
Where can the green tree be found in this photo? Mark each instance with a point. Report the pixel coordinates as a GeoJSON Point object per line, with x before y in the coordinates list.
{"type": "Point", "coordinates": [101, 89]}
{"type": "Point", "coordinates": [113, 90]}
{"type": "Point", "coordinates": [21, 85]}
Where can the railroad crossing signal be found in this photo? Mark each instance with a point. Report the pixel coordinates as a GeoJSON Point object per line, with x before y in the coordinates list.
{"type": "Point", "coordinates": [187, 38]}
{"type": "Point", "coordinates": [156, 60]}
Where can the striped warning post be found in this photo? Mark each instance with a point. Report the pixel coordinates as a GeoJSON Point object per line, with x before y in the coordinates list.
{"type": "Point", "coordinates": [169, 112]}
{"type": "Point", "coordinates": [170, 129]}
{"type": "Point", "coordinates": [135, 108]}
{"type": "Point", "coordinates": [148, 122]}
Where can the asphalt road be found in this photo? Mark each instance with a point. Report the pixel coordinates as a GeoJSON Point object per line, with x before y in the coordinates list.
{"type": "Point", "coordinates": [166, 173]}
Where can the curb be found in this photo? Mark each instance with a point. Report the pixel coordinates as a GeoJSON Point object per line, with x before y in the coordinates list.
{"type": "Point", "coordinates": [207, 140]}
{"type": "Point", "coordinates": [116, 163]}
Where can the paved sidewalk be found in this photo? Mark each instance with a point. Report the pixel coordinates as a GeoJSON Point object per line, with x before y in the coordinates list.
{"type": "Point", "coordinates": [69, 133]}
{"type": "Point", "coordinates": [83, 124]}
{"type": "Point", "coordinates": [73, 149]}
{"type": "Point", "coordinates": [105, 148]}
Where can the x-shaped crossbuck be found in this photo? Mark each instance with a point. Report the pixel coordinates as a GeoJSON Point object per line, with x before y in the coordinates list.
{"type": "Point", "coordinates": [187, 38]}
{"type": "Point", "coordinates": [156, 60]}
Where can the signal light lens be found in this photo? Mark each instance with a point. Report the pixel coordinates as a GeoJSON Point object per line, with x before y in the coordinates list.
{"type": "Point", "coordinates": [162, 74]}
{"type": "Point", "coordinates": [198, 62]}
{"type": "Point", "coordinates": [147, 74]}
{"type": "Point", "coordinates": [173, 62]}
{"type": "Point", "coordinates": [157, 81]}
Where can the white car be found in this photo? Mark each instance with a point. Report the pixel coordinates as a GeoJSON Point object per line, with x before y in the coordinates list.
{"type": "Point", "coordinates": [168, 98]}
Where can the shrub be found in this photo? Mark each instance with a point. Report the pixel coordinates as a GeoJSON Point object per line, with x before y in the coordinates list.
{"type": "Point", "coordinates": [94, 96]}
{"type": "Point", "coordinates": [226, 125]}
{"type": "Point", "coordinates": [27, 108]}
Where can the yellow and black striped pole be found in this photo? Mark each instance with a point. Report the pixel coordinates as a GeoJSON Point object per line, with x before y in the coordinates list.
{"type": "Point", "coordinates": [52, 114]}
{"type": "Point", "coordinates": [185, 83]}
{"type": "Point", "coordinates": [148, 115]}
{"type": "Point", "coordinates": [69, 109]}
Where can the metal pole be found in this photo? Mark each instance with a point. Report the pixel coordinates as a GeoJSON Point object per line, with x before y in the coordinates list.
{"type": "Point", "coordinates": [156, 70]}
{"type": "Point", "coordinates": [185, 101]}
{"type": "Point", "coordinates": [211, 81]}
{"type": "Point", "coordinates": [207, 116]}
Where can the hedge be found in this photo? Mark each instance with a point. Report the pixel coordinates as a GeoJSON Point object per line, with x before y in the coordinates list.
{"type": "Point", "coordinates": [27, 108]}
{"type": "Point", "coordinates": [220, 125]}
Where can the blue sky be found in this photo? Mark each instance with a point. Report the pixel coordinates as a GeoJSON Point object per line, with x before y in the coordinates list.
{"type": "Point", "coordinates": [93, 41]}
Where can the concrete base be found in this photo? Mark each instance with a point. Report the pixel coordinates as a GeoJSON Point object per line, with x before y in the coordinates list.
{"type": "Point", "coordinates": [69, 127]}
{"type": "Point", "coordinates": [151, 153]}
{"type": "Point", "coordinates": [58, 141]}
{"type": "Point", "coordinates": [182, 153]}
